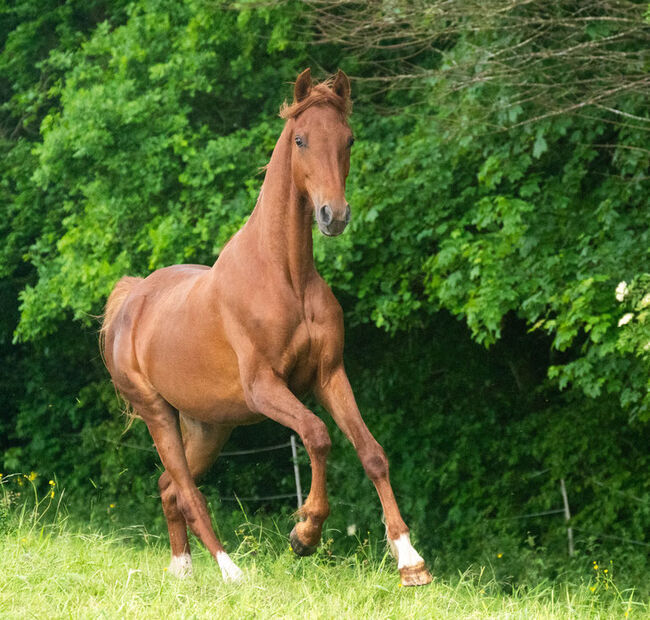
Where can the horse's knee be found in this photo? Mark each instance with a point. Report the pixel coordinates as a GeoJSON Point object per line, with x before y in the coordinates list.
{"type": "Point", "coordinates": [316, 438]}
{"type": "Point", "coordinates": [375, 463]}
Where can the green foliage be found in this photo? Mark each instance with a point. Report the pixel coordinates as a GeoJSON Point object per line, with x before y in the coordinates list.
{"type": "Point", "coordinates": [154, 150]}
{"type": "Point", "coordinates": [503, 226]}
{"type": "Point", "coordinates": [490, 348]}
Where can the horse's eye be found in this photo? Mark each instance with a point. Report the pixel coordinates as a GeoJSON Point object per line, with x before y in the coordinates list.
{"type": "Point", "coordinates": [299, 141]}
{"type": "Point", "coordinates": [350, 141]}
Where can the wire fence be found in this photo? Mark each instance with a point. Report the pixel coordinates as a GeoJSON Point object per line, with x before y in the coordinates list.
{"type": "Point", "coordinates": [566, 511]}
{"type": "Point", "coordinates": [293, 444]}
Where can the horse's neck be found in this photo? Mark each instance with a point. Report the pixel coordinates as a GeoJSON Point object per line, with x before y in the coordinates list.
{"type": "Point", "coordinates": [281, 221]}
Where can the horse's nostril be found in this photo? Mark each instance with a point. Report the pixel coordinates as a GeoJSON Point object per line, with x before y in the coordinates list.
{"type": "Point", "coordinates": [325, 215]}
{"type": "Point", "coordinates": [347, 214]}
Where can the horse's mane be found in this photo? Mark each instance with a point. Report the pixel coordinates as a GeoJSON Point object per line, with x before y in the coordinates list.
{"type": "Point", "coordinates": [320, 94]}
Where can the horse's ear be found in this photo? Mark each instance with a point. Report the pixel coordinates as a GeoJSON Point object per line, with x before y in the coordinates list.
{"type": "Point", "coordinates": [302, 87]}
{"type": "Point", "coordinates": [341, 85]}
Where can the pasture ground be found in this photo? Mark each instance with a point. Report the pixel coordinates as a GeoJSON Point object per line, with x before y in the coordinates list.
{"type": "Point", "coordinates": [62, 571]}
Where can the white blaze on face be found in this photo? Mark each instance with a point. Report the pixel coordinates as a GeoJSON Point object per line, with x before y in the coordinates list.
{"type": "Point", "coordinates": [229, 570]}
{"type": "Point", "coordinates": [404, 552]}
{"type": "Point", "coordinates": [181, 565]}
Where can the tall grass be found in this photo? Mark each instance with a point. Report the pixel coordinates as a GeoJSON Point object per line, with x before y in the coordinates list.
{"type": "Point", "coordinates": [52, 568]}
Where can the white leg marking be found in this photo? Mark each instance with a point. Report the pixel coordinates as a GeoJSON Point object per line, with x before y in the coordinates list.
{"type": "Point", "coordinates": [404, 552]}
{"type": "Point", "coordinates": [181, 565]}
{"type": "Point", "coordinates": [229, 570]}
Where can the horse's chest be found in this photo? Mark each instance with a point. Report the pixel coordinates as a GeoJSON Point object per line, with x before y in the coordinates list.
{"type": "Point", "coordinates": [303, 356]}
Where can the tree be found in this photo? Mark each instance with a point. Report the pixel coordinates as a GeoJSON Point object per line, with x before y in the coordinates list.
{"type": "Point", "coordinates": [557, 58]}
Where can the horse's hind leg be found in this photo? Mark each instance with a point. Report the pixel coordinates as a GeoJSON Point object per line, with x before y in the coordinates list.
{"type": "Point", "coordinates": [181, 562]}
{"type": "Point", "coordinates": [162, 421]}
{"type": "Point", "coordinates": [202, 443]}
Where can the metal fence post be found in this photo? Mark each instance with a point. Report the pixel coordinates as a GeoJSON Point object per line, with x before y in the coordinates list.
{"type": "Point", "coordinates": [567, 515]}
{"type": "Point", "coordinates": [296, 471]}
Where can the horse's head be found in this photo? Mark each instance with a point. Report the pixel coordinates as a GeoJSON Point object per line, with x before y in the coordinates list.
{"type": "Point", "coordinates": [321, 140]}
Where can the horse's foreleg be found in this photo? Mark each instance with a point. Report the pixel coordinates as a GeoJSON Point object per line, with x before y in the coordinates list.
{"type": "Point", "coordinates": [202, 443]}
{"type": "Point", "coordinates": [161, 420]}
{"type": "Point", "coordinates": [268, 395]}
{"type": "Point", "coordinates": [337, 397]}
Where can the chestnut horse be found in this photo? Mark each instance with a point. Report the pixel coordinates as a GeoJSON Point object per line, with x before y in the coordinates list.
{"type": "Point", "coordinates": [199, 350]}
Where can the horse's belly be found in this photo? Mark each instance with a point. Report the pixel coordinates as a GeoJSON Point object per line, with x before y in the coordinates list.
{"type": "Point", "coordinates": [218, 401]}
{"type": "Point", "coordinates": [198, 374]}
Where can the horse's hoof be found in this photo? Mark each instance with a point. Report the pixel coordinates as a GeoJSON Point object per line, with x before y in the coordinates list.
{"type": "Point", "coordinates": [417, 575]}
{"type": "Point", "coordinates": [180, 566]}
{"type": "Point", "coordinates": [300, 548]}
{"type": "Point", "coordinates": [230, 572]}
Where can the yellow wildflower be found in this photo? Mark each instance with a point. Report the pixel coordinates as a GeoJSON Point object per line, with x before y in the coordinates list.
{"type": "Point", "coordinates": [52, 483]}
{"type": "Point", "coordinates": [595, 566]}
{"type": "Point", "coordinates": [499, 555]}
{"type": "Point", "coordinates": [32, 476]}
{"type": "Point", "coordinates": [111, 505]}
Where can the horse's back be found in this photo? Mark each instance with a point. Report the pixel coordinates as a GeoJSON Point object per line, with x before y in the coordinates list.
{"type": "Point", "coordinates": [168, 285]}
{"type": "Point", "coordinates": [134, 298]}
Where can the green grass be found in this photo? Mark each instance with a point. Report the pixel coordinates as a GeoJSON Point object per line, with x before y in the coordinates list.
{"type": "Point", "coordinates": [59, 571]}
{"type": "Point", "coordinates": [52, 568]}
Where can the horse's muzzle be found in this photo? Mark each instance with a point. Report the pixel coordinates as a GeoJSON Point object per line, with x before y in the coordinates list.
{"type": "Point", "coordinates": [328, 224]}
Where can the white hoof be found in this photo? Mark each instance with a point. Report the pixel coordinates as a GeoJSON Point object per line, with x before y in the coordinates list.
{"type": "Point", "coordinates": [229, 570]}
{"type": "Point", "coordinates": [181, 566]}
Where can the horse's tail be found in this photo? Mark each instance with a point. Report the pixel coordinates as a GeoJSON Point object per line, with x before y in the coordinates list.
{"type": "Point", "coordinates": [115, 300]}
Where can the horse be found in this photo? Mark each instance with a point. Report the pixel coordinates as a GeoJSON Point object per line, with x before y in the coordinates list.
{"type": "Point", "coordinates": [197, 350]}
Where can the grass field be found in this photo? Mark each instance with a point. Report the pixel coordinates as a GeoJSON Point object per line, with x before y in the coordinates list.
{"type": "Point", "coordinates": [62, 571]}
